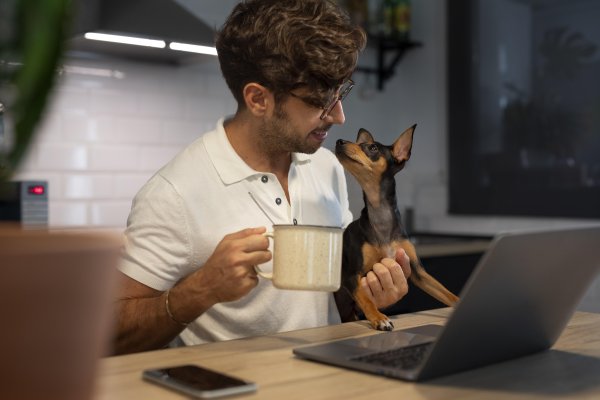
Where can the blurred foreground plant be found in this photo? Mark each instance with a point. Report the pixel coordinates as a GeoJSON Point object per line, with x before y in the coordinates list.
{"type": "Point", "coordinates": [32, 39]}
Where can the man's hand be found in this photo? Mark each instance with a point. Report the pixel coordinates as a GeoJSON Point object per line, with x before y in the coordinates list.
{"type": "Point", "coordinates": [229, 272]}
{"type": "Point", "coordinates": [387, 282]}
{"type": "Point", "coordinates": [227, 275]}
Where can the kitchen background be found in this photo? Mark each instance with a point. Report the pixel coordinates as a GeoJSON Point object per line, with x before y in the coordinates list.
{"type": "Point", "coordinates": [112, 123]}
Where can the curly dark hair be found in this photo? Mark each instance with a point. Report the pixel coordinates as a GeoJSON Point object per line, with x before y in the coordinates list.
{"type": "Point", "coordinates": [286, 44]}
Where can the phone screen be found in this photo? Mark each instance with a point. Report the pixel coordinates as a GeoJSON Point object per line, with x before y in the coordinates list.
{"type": "Point", "coordinates": [199, 381]}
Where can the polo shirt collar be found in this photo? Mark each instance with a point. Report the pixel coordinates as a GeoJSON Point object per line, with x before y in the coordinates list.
{"type": "Point", "coordinates": [228, 164]}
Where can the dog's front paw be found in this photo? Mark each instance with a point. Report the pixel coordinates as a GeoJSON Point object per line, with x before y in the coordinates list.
{"type": "Point", "coordinates": [382, 324]}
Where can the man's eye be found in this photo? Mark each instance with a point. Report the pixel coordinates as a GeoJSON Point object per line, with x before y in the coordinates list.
{"type": "Point", "coordinates": [319, 103]}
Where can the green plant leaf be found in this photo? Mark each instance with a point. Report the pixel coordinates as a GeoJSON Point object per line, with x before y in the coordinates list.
{"type": "Point", "coordinates": [31, 57]}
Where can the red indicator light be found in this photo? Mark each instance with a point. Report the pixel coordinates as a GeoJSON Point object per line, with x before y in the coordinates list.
{"type": "Point", "coordinates": [37, 190]}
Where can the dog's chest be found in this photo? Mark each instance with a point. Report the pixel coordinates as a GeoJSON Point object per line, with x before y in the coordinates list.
{"type": "Point", "coordinates": [372, 254]}
{"type": "Point", "coordinates": [379, 235]}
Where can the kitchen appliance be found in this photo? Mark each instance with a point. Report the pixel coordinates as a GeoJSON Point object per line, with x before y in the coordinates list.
{"type": "Point", "coordinates": [162, 20]}
{"type": "Point", "coordinates": [25, 202]}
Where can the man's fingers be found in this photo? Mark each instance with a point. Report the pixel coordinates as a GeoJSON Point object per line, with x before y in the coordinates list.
{"type": "Point", "coordinates": [382, 273]}
{"type": "Point", "coordinates": [404, 261]}
{"type": "Point", "coordinates": [246, 232]}
{"type": "Point", "coordinates": [387, 282]}
{"type": "Point", "coordinates": [375, 282]}
{"type": "Point", "coordinates": [247, 241]}
{"type": "Point", "coordinates": [366, 287]}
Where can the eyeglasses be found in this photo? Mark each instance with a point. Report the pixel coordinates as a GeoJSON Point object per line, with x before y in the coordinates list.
{"type": "Point", "coordinates": [340, 96]}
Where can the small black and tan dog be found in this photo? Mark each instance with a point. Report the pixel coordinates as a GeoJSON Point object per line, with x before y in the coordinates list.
{"type": "Point", "coordinates": [379, 232]}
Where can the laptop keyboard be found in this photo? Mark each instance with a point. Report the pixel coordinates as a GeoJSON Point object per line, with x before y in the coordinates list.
{"type": "Point", "coordinates": [403, 357]}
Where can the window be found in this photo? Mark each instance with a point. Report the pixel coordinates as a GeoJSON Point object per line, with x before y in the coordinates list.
{"type": "Point", "coordinates": [524, 107]}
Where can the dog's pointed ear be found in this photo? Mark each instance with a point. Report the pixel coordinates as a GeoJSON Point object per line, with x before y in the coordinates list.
{"type": "Point", "coordinates": [364, 136]}
{"type": "Point", "coordinates": [402, 146]}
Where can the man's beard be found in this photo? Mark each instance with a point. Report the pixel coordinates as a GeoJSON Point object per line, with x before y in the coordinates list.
{"type": "Point", "coordinates": [278, 136]}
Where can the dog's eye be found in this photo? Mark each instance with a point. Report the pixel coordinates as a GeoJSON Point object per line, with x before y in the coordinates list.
{"type": "Point", "coordinates": [373, 148]}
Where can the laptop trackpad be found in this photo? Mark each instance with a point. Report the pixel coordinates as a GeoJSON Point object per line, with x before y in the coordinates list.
{"type": "Point", "coordinates": [380, 342]}
{"type": "Point", "coordinates": [385, 341]}
{"type": "Point", "coordinates": [432, 330]}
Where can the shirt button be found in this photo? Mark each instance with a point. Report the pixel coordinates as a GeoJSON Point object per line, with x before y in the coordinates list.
{"type": "Point", "coordinates": [295, 221]}
{"type": "Point", "coordinates": [278, 201]}
{"type": "Point", "coordinates": [264, 179]}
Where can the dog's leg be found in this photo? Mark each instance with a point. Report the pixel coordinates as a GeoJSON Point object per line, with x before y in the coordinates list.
{"type": "Point", "coordinates": [430, 285]}
{"type": "Point", "coordinates": [423, 280]}
{"type": "Point", "coordinates": [378, 320]}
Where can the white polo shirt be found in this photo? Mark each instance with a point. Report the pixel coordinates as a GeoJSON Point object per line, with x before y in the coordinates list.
{"type": "Point", "coordinates": [207, 191]}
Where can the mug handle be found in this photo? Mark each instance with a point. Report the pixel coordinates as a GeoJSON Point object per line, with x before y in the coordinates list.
{"type": "Point", "coordinates": [259, 272]}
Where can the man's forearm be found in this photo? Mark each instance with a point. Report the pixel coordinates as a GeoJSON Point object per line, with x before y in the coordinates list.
{"type": "Point", "coordinates": [143, 324]}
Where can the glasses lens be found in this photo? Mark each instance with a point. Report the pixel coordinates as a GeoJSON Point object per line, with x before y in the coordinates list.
{"type": "Point", "coordinates": [342, 93]}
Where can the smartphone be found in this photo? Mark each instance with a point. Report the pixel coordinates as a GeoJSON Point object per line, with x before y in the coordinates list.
{"type": "Point", "coordinates": [199, 382]}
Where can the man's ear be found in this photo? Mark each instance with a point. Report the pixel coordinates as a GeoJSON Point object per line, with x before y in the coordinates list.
{"type": "Point", "coordinates": [258, 98]}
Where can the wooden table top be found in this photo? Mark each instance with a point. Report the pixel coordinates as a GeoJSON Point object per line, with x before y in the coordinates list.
{"type": "Point", "coordinates": [570, 370]}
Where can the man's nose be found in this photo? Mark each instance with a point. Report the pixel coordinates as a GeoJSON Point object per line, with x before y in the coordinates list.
{"type": "Point", "coordinates": [336, 115]}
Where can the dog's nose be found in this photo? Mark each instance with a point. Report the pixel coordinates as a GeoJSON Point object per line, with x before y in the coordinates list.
{"type": "Point", "coordinates": [340, 142]}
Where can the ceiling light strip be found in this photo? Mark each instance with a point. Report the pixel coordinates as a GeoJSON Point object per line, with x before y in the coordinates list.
{"type": "Point", "coordinates": [126, 40]}
{"type": "Point", "coordinates": [193, 48]}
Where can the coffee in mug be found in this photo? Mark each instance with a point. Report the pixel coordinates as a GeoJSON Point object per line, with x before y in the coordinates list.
{"type": "Point", "coordinates": [306, 257]}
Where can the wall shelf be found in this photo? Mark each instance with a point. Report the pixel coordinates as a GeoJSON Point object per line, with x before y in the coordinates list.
{"type": "Point", "coordinates": [385, 46]}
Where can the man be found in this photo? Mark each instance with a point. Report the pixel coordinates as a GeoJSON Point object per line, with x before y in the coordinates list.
{"type": "Point", "coordinates": [195, 229]}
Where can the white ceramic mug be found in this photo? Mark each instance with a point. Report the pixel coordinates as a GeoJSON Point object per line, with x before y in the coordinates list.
{"type": "Point", "coordinates": [306, 257]}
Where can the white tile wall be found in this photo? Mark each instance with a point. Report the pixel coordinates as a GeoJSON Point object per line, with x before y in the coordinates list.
{"type": "Point", "coordinates": [106, 133]}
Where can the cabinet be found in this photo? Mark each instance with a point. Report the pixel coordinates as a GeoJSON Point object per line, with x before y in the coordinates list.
{"type": "Point", "coordinates": [452, 271]}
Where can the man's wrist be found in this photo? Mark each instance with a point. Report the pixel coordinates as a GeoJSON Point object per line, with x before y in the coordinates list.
{"type": "Point", "coordinates": [170, 311]}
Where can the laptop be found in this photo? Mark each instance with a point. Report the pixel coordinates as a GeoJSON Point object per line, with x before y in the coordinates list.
{"type": "Point", "coordinates": [516, 302]}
